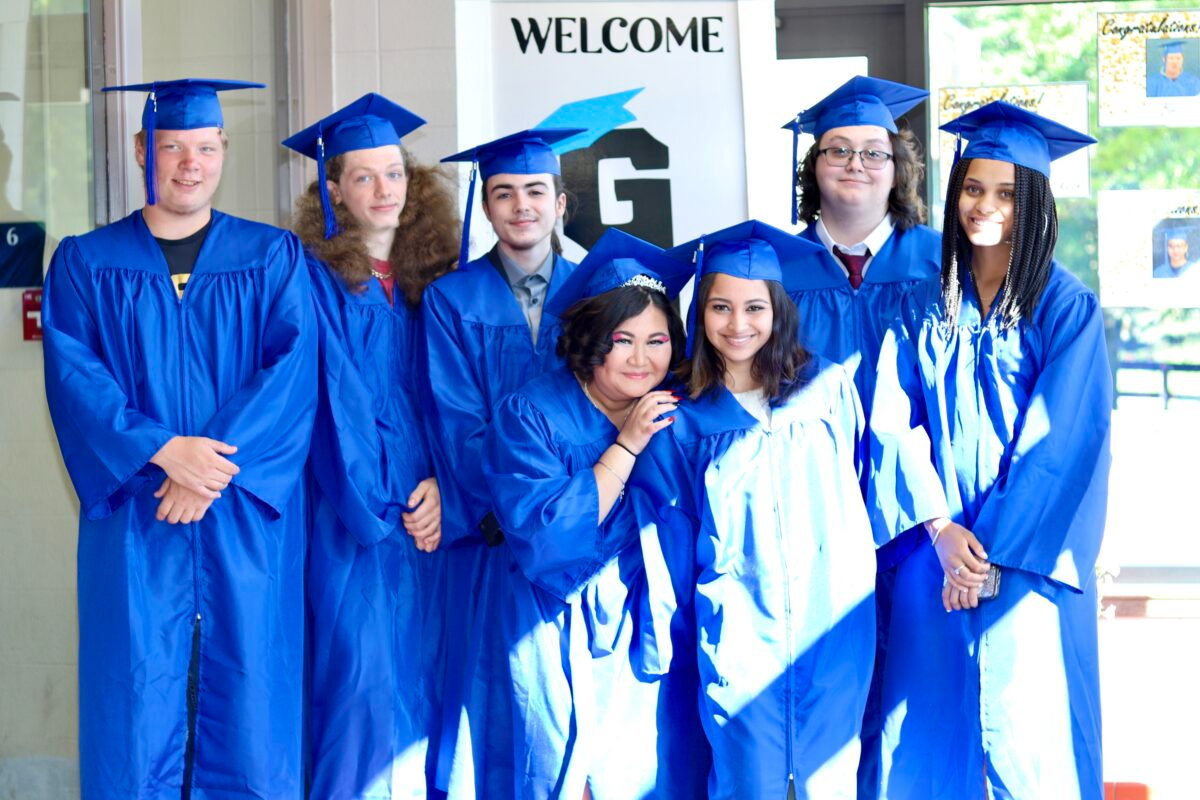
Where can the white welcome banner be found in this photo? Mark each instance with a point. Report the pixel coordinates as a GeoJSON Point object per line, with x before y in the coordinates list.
{"type": "Point", "coordinates": [670, 164]}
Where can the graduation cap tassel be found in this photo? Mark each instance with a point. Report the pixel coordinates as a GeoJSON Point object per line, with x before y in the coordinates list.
{"type": "Point", "coordinates": [697, 257]}
{"type": "Point", "coordinates": [957, 150]}
{"type": "Point", "coordinates": [331, 226]}
{"type": "Point", "coordinates": [795, 169]}
{"type": "Point", "coordinates": [465, 248]}
{"type": "Point", "coordinates": [151, 123]}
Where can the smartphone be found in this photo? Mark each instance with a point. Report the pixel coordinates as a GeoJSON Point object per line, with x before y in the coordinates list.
{"type": "Point", "coordinates": [991, 584]}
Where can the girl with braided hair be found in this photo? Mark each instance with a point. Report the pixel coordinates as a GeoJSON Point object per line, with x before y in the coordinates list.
{"type": "Point", "coordinates": [990, 427]}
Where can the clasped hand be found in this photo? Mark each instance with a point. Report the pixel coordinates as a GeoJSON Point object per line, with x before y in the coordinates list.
{"type": "Point", "coordinates": [964, 562]}
{"type": "Point", "coordinates": [424, 523]}
{"type": "Point", "coordinates": [197, 473]}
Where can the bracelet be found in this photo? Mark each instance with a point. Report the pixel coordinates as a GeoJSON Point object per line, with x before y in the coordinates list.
{"type": "Point", "coordinates": [617, 442]}
{"type": "Point", "coordinates": [600, 463]}
{"type": "Point", "coordinates": [933, 537]}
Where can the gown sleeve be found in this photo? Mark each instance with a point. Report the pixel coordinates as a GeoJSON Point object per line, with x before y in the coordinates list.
{"type": "Point", "coordinates": [662, 497]}
{"type": "Point", "coordinates": [106, 443]}
{"type": "Point", "coordinates": [456, 417]}
{"type": "Point", "coordinates": [1045, 513]}
{"type": "Point", "coordinates": [549, 514]}
{"type": "Point", "coordinates": [848, 410]}
{"type": "Point", "coordinates": [904, 488]}
{"type": "Point", "coordinates": [355, 469]}
{"type": "Point", "coordinates": [270, 418]}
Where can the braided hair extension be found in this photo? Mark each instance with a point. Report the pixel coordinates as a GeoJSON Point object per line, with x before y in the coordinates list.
{"type": "Point", "coordinates": [1034, 236]}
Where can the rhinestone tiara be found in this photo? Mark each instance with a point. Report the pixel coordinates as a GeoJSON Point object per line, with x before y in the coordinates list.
{"type": "Point", "coordinates": [646, 282]}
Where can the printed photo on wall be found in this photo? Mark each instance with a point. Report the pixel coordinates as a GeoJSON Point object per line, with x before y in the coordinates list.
{"type": "Point", "coordinates": [1149, 244]}
{"type": "Point", "coordinates": [1177, 248]}
{"type": "Point", "coordinates": [1149, 68]}
{"type": "Point", "coordinates": [1065, 103]}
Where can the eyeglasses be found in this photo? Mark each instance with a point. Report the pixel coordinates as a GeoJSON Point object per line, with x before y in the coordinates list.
{"type": "Point", "coordinates": [870, 158]}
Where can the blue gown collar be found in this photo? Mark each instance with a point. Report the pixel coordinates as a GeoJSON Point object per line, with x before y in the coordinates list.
{"type": "Point", "coordinates": [509, 313]}
{"type": "Point", "coordinates": [898, 260]}
{"type": "Point", "coordinates": [711, 415]}
{"type": "Point", "coordinates": [151, 254]}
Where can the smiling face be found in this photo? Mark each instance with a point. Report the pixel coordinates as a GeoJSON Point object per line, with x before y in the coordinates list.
{"type": "Point", "coordinates": [1173, 65]}
{"type": "Point", "coordinates": [187, 170]}
{"type": "Point", "coordinates": [639, 359]}
{"type": "Point", "coordinates": [737, 321]}
{"type": "Point", "coordinates": [852, 188]}
{"type": "Point", "coordinates": [986, 205]}
{"type": "Point", "coordinates": [1177, 251]}
{"type": "Point", "coordinates": [373, 186]}
{"type": "Point", "coordinates": [523, 208]}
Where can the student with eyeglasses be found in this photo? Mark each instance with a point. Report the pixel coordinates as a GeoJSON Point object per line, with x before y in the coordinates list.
{"type": "Point", "coordinates": [858, 189]}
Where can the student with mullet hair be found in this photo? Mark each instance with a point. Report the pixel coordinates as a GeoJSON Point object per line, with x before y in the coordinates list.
{"type": "Point", "coordinates": [377, 227]}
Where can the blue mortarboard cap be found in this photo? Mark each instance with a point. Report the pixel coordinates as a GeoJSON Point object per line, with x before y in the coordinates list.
{"type": "Point", "coordinates": [752, 250]}
{"type": "Point", "coordinates": [1176, 233]}
{"type": "Point", "coordinates": [858, 101]}
{"type": "Point", "coordinates": [370, 121]}
{"type": "Point", "coordinates": [616, 259]}
{"type": "Point", "coordinates": [180, 105]}
{"type": "Point", "coordinates": [1172, 47]}
{"type": "Point", "coordinates": [523, 153]}
{"type": "Point", "coordinates": [1003, 132]}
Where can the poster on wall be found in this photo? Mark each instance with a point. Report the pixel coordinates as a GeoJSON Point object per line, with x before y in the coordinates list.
{"type": "Point", "coordinates": [659, 82]}
{"type": "Point", "coordinates": [1149, 244]}
{"type": "Point", "coordinates": [1149, 68]}
{"type": "Point", "coordinates": [1065, 103]}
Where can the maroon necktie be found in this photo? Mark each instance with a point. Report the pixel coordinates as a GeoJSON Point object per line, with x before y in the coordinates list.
{"type": "Point", "coordinates": [854, 265]}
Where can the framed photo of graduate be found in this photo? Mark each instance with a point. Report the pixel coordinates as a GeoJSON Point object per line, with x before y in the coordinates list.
{"type": "Point", "coordinates": [1149, 68]}
{"type": "Point", "coordinates": [1150, 248]}
{"type": "Point", "coordinates": [1066, 103]}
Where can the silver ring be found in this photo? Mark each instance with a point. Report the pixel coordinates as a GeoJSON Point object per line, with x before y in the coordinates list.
{"type": "Point", "coordinates": [957, 570]}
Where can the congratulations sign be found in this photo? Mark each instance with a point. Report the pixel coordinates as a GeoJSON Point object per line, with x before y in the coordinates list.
{"type": "Point", "coordinates": [1066, 103]}
{"type": "Point", "coordinates": [1149, 68]}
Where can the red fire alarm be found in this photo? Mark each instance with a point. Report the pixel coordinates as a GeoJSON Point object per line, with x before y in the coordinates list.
{"type": "Point", "coordinates": [31, 314]}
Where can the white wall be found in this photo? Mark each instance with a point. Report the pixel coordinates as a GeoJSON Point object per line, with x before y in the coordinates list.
{"type": "Point", "coordinates": [403, 49]}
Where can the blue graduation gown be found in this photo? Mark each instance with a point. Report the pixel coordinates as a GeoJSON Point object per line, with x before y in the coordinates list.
{"type": "Point", "coordinates": [1159, 85]}
{"type": "Point", "coordinates": [1006, 433]}
{"type": "Point", "coordinates": [784, 578]}
{"type": "Point", "coordinates": [128, 366]}
{"type": "Point", "coordinates": [374, 599]}
{"type": "Point", "coordinates": [592, 700]}
{"type": "Point", "coordinates": [848, 326]}
{"type": "Point", "coordinates": [478, 348]}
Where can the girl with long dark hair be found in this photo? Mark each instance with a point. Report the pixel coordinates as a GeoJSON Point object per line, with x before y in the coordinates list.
{"type": "Point", "coordinates": [990, 426]}
{"type": "Point", "coordinates": [761, 471]}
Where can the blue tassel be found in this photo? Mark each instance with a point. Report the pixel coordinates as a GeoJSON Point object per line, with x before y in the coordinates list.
{"type": "Point", "coordinates": [465, 248]}
{"type": "Point", "coordinates": [698, 257]}
{"type": "Point", "coordinates": [331, 226]}
{"type": "Point", "coordinates": [795, 167]}
{"type": "Point", "coordinates": [957, 149]}
{"type": "Point", "coordinates": [151, 123]}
